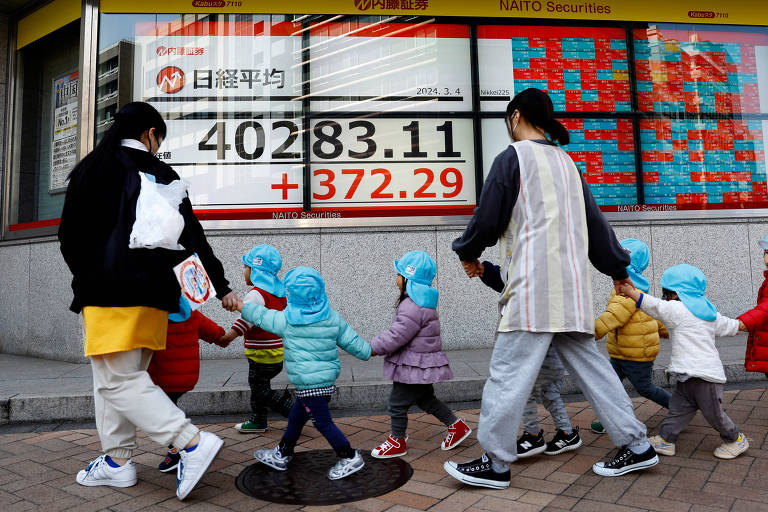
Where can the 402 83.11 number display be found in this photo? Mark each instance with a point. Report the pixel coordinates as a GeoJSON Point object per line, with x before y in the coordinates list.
{"type": "Point", "coordinates": [392, 163]}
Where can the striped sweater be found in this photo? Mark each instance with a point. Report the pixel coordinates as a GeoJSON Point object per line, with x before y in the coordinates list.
{"type": "Point", "coordinates": [535, 204]}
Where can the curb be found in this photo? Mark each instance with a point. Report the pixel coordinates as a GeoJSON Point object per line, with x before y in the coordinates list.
{"type": "Point", "coordinates": [27, 408]}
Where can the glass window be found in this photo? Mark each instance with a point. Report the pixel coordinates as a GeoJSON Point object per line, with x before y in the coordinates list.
{"type": "Point", "coordinates": [705, 90]}
{"type": "Point", "coordinates": [44, 147]}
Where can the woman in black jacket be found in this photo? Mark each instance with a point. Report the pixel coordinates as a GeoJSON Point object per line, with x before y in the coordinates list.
{"type": "Point", "coordinates": [125, 296]}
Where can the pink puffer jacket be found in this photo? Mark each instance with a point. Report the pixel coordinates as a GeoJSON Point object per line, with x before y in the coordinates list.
{"type": "Point", "coordinates": [413, 347]}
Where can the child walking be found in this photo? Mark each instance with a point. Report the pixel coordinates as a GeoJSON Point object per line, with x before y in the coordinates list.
{"type": "Point", "coordinates": [756, 322]}
{"type": "Point", "coordinates": [263, 349]}
{"type": "Point", "coordinates": [311, 333]}
{"type": "Point", "coordinates": [415, 358]}
{"type": "Point", "coordinates": [177, 368]}
{"type": "Point", "coordinates": [693, 322]}
{"type": "Point", "coordinates": [546, 391]}
{"type": "Point", "coordinates": [632, 336]}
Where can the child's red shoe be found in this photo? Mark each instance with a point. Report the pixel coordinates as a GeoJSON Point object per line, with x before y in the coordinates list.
{"type": "Point", "coordinates": [392, 447]}
{"type": "Point", "coordinates": [457, 432]}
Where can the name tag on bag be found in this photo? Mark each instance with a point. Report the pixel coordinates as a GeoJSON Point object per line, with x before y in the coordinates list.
{"type": "Point", "coordinates": [195, 284]}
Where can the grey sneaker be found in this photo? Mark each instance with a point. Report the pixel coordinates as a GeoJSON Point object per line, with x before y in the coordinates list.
{"type": "Point", "coordinates": [273, 458]}
{"type": "Point", "coordinates": [346, 467]}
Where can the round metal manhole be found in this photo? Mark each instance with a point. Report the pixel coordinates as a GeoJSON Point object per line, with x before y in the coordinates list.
{"type": "Point", "coordinates": [306, 480]}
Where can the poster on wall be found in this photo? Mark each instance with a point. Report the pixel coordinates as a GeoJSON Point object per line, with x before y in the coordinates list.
{"type": "Point", "coordinates": [64, 131]}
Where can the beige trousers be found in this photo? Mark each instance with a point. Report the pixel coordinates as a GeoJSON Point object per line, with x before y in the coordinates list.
{"type": "Point", "coordinates": [125, 397]}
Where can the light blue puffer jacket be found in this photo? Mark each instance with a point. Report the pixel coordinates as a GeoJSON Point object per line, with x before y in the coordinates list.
{"type": "Point", "coordinates": [311, 356]}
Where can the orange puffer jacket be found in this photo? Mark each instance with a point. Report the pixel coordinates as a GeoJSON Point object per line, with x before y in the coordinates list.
{"type": "Point", "coordinates": [177, 368]}
{"type": "Point", "coordinates": [632, 335]}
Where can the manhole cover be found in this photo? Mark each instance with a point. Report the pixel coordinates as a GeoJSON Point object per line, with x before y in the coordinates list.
{"type": "Point", "coordinates": [306, 481]}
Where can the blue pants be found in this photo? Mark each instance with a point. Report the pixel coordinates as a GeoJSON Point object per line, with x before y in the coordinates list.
{"type": "Point", "coordinates": [639, 374]}
{"type": "Point", "coordinates": [316, 409]}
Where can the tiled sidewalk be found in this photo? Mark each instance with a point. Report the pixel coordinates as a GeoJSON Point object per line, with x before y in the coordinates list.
{"type": "Point", "coordinates": [37, 470]}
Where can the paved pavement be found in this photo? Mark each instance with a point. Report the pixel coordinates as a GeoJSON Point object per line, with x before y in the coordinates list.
{"type": "Point", "coordinates": [37, 470]}
{"type": "Point", "coordinates": [33, 389]}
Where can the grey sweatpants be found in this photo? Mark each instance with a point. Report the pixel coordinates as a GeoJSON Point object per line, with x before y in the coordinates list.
{"type": "Point", "coordinates": [515, 363]}
{"type": "Point", "coordinates": [546, 391]}
{"type": "Point", "coordinates": [403, 396]}
{"type": "Point", "coordinates": [694, 395]}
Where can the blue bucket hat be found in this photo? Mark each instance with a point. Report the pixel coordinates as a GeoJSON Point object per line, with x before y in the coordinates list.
{"type": "Point", "coordinates": [265, 262]}
{"type": "Point", "coordinates": [185, 311]}
{"type": "Point", "coordinates": [639, 259]}
{"type": "Point", "coordinates": [419, 269]}
{"type": "Point", "coordinates": [307, 301]}
{"type": "Point", "coordinates": [689, 283]}
{"type": "Point", "coordinates": [763, 243]}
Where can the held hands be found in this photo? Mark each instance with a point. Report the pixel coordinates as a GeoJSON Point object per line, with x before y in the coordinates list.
{"type": "Point", "coordinates": [231, 302]}
{"type": "Point", "coordinates": [473, 268]}
{"type": "Point", "coordinates": [618, 285]}
{"type": "Point", "coordinates": [742, 327]}
{"type": "Point", "coordinates": [225, 340]}
{"type": "Point", "coordinates": [627, 289]}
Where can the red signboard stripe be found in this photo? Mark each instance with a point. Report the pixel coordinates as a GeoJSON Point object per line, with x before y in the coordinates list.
{"type": "Point", "coordinates": [507, 31]}
{"type": "Point", "coordinates": [34, 225]}
{"type": "Point", "coordinates": [360, 29]}
{"type": "Point", "coordinates": [217, 28]}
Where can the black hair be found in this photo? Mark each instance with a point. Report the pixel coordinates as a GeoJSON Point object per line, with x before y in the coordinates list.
{"type": "Point", "coordinates": [130, 122]}
{"type": "Point", "coordinates": [666, 294]}
{"type": "Point", "coordinates": [536, 106]}
{"type": "Point", "coordinates": [403, 293]}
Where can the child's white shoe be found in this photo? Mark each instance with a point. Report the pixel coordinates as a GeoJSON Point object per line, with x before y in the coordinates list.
{"type": "Point", "coordinates": [346, 467]}
{"type": "Point", "coordinates": [661, 446]}
{"type": "Point", "coordinates": [732, 450]}
{"type": "Point", "coordinates": [273, 458]}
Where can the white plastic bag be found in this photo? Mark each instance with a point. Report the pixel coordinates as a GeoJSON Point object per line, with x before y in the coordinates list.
{"type": "Point", "coordinates": [158, 221]}
{"type": "Point", "coordinates": [195, 284]}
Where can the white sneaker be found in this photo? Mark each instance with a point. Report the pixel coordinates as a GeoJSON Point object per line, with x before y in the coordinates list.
{"type": "Point", "coordinates": [661, 446]}
{"type": "Point", "coordinates": [732, 450]}
{"type": "Point", "coordinates": [346, 467]}
{"type": "Point", "coordinates": [99, 472]}
{"type": "Point", "coordinates": [194, 463]}
{"type": "Point", "coordinates": [273, 458]}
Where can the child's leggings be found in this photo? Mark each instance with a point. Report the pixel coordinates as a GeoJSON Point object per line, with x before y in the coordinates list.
{"type": "Point", "coordinates": [546, 390]}
{"type": "Point", "coordinates": [403, 396]}
{"type": "Point", "coordinates": [314, 408]}
{"type": "Point", "coordinates": [694, 395]}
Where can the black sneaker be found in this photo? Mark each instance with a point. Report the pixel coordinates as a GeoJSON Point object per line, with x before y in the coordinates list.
{"type": "Point", "coordinates": [563, 442]}
{"type": "Point", "coordinates": [478, 472]}
{"type": "Point", "coordinates": [626, 461]}
{"type": "Point", "coordinates": [170, 462]}
{"type": "Point", "coordinates": [529, 445]}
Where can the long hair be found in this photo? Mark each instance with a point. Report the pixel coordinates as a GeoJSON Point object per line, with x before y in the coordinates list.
{"type": "Point", "coordinates": [536, 106]}
{"type": "Point", "coordinates": [403, 294]}
{"type": "Point", "coordinates": [133, 119]}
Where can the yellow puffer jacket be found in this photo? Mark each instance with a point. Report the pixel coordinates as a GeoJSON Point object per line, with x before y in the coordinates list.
{"type": "Point", "coordinates": [632, 334]}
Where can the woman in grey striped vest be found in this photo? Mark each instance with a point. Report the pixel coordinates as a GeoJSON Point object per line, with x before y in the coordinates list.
{"type": "Point", "coordinates": [549, 228]}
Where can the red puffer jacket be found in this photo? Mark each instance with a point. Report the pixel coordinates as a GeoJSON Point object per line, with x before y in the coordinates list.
{"type": "Point", "coordinates": [177, 368]}
{"type": "Point", "coordinates": [756, 320]}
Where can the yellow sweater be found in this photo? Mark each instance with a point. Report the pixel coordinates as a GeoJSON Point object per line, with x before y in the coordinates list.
{"type": "Point", "coordinates": [632, 334]}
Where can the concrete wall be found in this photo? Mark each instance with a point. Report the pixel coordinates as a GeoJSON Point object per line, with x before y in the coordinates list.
{"type": "Point", "coordinates": [357, 267]}
{"type": "Point", "coordinates": [4, 91]}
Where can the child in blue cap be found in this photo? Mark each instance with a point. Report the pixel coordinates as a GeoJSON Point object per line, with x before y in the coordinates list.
{"type": "Point", "coordinates": [311, 333]}
{"type": "Point", "coordinates": [692, 322]}
{"type": "Point", "coordinates": [632, 337]}
{"type": "Point", "coordinates": [415, 358]}
{"type": "Point", "coordinates": [263, 349]}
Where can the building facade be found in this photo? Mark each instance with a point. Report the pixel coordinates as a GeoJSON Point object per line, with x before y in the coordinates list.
{"type": "Point", "coordinates": [350, 133]}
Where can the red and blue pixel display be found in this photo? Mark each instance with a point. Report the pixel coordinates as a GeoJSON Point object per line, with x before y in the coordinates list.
{"type": "Point", "coordinates": [699, 163]}
{"type": "Point", "coordinates": [697, 71]}
{"type": "Point", "coordinates": [604, 152]}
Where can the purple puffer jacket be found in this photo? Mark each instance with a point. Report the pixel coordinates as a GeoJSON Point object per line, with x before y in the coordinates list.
{"type": "Point", "coordinates": [413, 346]}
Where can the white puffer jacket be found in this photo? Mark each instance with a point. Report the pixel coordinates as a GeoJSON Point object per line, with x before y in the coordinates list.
{"type": "Point", "coordinates": [693, 339]}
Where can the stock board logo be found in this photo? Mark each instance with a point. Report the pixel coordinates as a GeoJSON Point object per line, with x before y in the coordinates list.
{"type": "Point", "coordinates": [170, 79]}
{"type": "Point", "coordinates": [364, 5]}
{"type": "Point", "coordinates": [161, 51]}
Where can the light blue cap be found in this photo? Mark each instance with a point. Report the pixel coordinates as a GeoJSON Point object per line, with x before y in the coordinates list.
{"type": "Point", "coordinates": [763, 242]}
{"type": "Point", "coordinates": [185, 311]}
{"type": "Point", "coordinates": [689, 283]}
{"type": "Point", "coordinates": [307, 301]}
{"type": "Point", "coordinates": [419, 269]}
{"type": "Point", "coordinates": [639, 259]}
{"type": "Point", "coordinates": [265, 262]}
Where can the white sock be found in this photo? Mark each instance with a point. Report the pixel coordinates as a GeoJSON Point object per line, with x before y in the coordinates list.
{"type": "Point", "coordinates": [498, 466]}
{"type": "Point", "coordinates": [639, 448]}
